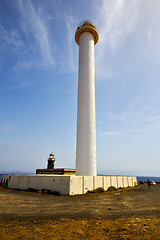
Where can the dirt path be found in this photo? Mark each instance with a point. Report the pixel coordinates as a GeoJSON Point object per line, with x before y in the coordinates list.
{"type": "Point", "coordinates": [125, 214]}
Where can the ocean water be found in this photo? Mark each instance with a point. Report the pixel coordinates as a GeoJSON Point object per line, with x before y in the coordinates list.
{"type": "Point", "coordinates": [144, 178]}
{"type": "Point", "coordinates": [13, 173]}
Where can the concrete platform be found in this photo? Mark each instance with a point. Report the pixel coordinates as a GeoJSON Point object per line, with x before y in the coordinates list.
{"type": "Point", "coordinates": [65, 185]}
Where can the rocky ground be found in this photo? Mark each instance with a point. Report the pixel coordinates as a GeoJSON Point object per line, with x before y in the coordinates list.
{"type": "Point", "coordinates": [133, 213]}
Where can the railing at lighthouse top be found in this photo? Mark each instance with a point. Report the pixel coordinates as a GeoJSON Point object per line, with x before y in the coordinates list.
{"type": "Point", "coordinates": [86, 26]}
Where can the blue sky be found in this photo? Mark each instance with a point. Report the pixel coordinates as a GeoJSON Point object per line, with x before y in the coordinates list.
{"type": "Point", "coordinates": [39, 79]}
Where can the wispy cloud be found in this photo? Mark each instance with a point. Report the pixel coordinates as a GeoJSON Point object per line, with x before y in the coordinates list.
{"type": "Point", "coordinates": [127, 36]}
{"type": "Point", "coordinates": [34, 40]}
{"type": "Point", "coordinates": [3, 148]}
{"type": "Point", "coordinates": [70, 26]}
{"type": "Point", "coordinates": [29, 39]}
{"type": "Point", "coordinates": [34, 23]}
{"type": "Point", "coordinates": [11, 38]}
{"type": "Point", "coordinates": [135, 122]}
{"type": "Point", "coordinates": [7, 128]}
{"type": "Point", "coordinates": [116, 20]}
{"type": "Point", "coordinates": [23, 65]}
{"type": "Point", "coordinates": [114, 133]}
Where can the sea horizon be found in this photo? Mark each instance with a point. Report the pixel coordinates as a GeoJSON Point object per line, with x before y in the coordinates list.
{"type": "Point", "coordinates": [139, 178]}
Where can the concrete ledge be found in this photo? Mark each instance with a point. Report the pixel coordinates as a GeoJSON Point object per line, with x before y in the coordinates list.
{"type": "Point", "coordinates": [65, 185]}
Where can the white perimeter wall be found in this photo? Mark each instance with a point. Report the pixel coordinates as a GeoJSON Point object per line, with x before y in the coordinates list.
{"type": "Point", "coordinates": [66, 185]}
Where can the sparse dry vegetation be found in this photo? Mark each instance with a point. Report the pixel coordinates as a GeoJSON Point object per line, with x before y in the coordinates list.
{"type": "Point", "coordinates": [132, 213]}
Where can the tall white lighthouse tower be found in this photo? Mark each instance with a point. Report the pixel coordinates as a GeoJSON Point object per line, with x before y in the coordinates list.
{"type": "Point", "coordinates": [86, 37]}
